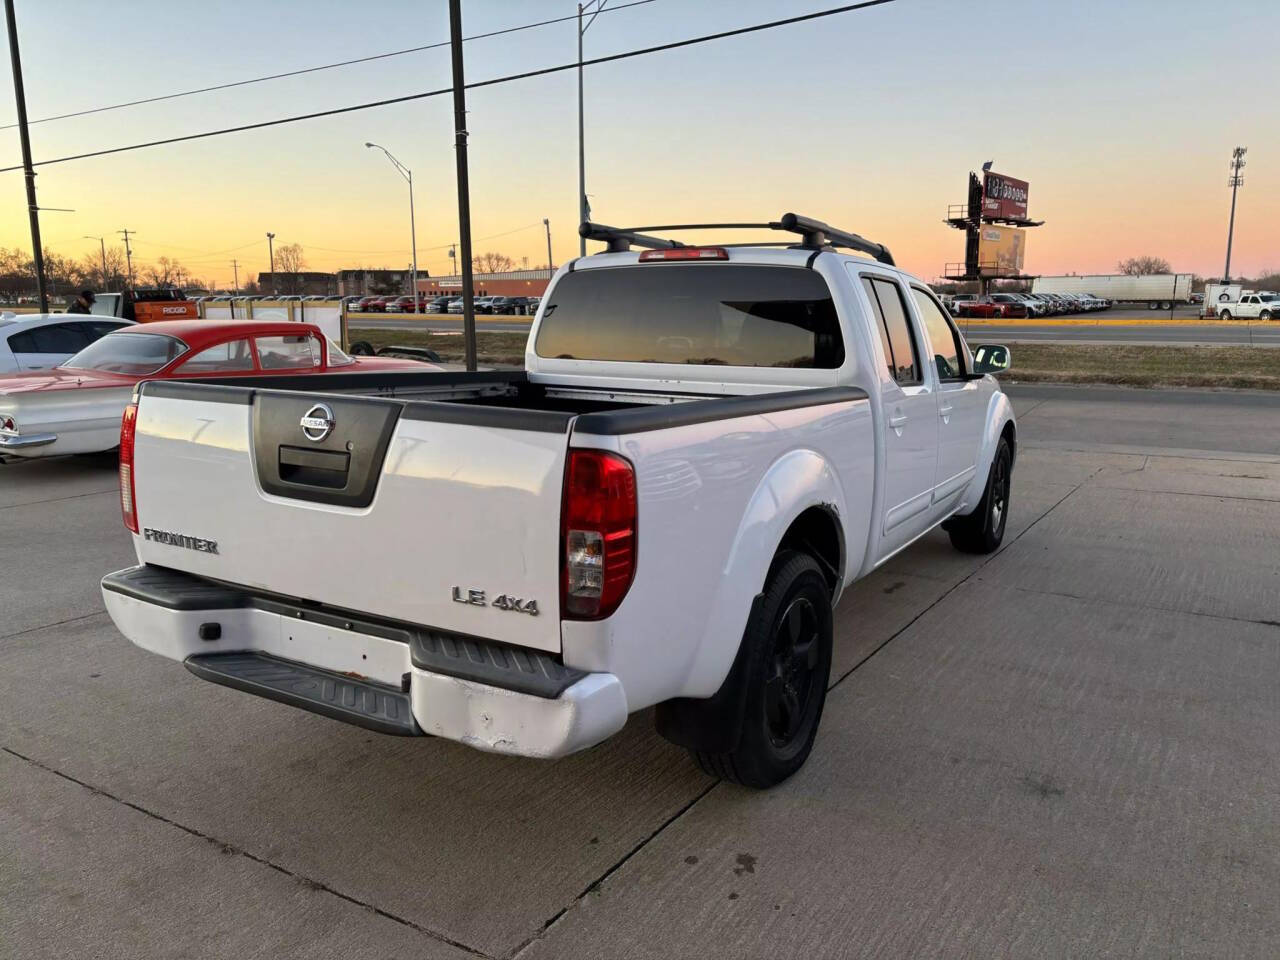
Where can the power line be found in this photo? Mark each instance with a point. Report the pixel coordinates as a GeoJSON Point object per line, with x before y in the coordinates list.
{"type": "Point", "coordinates": [305, 70]}
{"type": "Point", "coordinates": [544, 71]}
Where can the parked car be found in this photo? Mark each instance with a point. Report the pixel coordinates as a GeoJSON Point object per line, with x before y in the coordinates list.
{"type": "Point", "coordinates": [455, 306]}
{"type": "Point", "coordinates": [374, 304]}
{"type": "Point", "coordinates": [829, 413]}
{"type": "Point", "coordinates": [484, 304]}
{"type": "Point", "coordinates": [405, 304]}
{"type": "Point", "coordinates": [958, 302]}
{"type": "Point", "coordinates": [38, 341]}
{"type": "Point", "coordinates": [76, 407]}
{"type": "Point", "coordinates": [439, 304]}
{"type": "Point", "coordinates": [1009, 305]}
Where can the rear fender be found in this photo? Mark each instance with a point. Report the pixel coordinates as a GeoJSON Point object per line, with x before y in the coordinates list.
{"type": "Point", "coordinates": [795, 482]}
{"type": "Point", "coordinates": [999, 412]}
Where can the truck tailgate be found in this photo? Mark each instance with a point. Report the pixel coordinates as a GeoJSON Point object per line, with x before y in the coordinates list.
{"type": "Point", "coordinates": [438, 514]}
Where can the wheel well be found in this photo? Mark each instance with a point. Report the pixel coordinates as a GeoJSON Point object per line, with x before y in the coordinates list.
{"type": "Point", "coordinates": [1010, 434]}
{"type": "Point", "coordinates": [817, 531]}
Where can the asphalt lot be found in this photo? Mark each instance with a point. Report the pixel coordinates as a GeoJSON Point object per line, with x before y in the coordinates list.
{"type": "Point", "coordinates": [1066, 749]}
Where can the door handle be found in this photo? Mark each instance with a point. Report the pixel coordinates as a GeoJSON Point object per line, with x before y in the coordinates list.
{"type": "Point", "coordinates": [898, 421]}
{"type": "Point", "coordinates": [944, 411]}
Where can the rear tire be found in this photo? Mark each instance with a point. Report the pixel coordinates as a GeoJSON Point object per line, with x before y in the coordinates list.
{"type": "Point", "coordinates": [362, 348]}
{"type": "Point", "coordinates": [1224, 315]}
{"type": "Point", "coordinates": [788, 648]}
{"type": "Point", "coordinates": [983, 530]}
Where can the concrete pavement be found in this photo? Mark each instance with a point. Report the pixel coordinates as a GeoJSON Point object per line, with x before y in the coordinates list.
{"type": "Point", "coordinates": [1063, 749]}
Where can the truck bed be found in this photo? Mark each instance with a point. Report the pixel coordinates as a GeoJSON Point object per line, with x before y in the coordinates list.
{"type": "Point", "coordinates": [400, 493]}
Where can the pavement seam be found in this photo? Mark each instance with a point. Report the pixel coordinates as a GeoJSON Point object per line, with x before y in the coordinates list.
{"type": "Point", "coordinates": [960, 583]}
{"type": "Point", "coordinates": [1186, 493]}
{"type": "Point", "coordinates": [229, 848]}
{"type": "Point", "coordinates": [74, 496]}
{"type": "Point", "coordinates": [1144, 606]}
{"type": "Point", "coordinates": [56, 623]}
{"type": "Point", "coordinates": [595, 884]}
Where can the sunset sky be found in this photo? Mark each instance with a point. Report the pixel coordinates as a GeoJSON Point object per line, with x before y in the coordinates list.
{"type": "Point", "coordinates": [1122, 114]}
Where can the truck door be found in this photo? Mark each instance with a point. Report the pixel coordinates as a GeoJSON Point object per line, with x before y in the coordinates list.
{"type": "Point", "coordinates": [962, 405]}
{"type": "Point", "coordinates": [910, 413]}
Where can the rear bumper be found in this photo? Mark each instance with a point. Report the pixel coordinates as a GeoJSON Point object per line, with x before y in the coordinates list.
{"type": "Point", "coordinates": [10, 441]}
{"type": "Point", "coordinates": [385, 676]}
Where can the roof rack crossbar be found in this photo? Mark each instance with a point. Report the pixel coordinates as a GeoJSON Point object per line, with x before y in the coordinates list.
{"type": "Point", "coordinates": [814, 234]}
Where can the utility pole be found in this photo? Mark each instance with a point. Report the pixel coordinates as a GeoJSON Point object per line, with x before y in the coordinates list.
{"type": "Point", "coordinates": [102, 245]}
{"type": "Point", "coordinates": [28, 171]}
{"type": "Point", "coordinates": [413, 230]}
{"type": "Point", "coordinates": [235, 270]}
{"type": "Point", "coordinates": [464, 188]}
{"type": "Point", "coordinates": [1235, 182]}
{"type": "Point", "coordinates": [550, 266]}
{"type": "Point", "coordinates": [128, 252]}
{"type": "Point", "coordinates": [271, 253]}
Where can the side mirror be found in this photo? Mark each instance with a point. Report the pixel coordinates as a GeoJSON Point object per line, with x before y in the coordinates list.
{"type": "Point", "coordinates": [991, 358]}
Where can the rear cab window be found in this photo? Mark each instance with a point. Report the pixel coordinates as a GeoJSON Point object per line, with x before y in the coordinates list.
{"type": "Point", "coordinates": [233, 355]}
{"type": "Point", "coordinates": [741, 315]}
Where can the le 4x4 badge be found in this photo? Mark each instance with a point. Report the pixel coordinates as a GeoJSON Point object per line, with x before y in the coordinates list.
{"type": "Point", "coordinates": [503, 601]}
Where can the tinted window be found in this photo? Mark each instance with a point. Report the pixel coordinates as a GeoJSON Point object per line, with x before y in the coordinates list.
{"type": "Point", "coordinates": [135, 354]}
{"type": "Point", "coordinates": [288, 353]}
{"type": "Point", "coordinates": [944, 340]}
{"type": "Point", "coordinates": [62, 338]}
{"type": "Point", "coordinates": [225, 356]}
{"type": "Point", "coordinates": [895, 330]}
{"type": "Point", "coordinates": [732, 314]}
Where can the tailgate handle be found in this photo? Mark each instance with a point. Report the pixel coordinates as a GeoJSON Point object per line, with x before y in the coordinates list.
{"type": "Point", "coordinates": [314, 468]}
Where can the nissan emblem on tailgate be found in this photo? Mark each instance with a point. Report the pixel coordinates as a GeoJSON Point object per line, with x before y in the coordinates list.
{"type": "Point", "coordinates": [317, 423]}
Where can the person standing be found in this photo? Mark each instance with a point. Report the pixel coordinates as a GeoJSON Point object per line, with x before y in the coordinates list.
{"type": "Point", "coordinates": [83, 303]}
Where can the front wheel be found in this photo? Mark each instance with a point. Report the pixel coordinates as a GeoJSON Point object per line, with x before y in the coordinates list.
{"type": "Point", "coordinates": [983, 530]}
{"type": "Point", "coordinates": [787, 644]}
{"type": "Point", "coordinates": [1265, 315]}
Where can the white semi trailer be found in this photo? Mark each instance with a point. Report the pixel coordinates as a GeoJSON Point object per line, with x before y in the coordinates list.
{"type": "Point", "coordinates": [1157, 290]}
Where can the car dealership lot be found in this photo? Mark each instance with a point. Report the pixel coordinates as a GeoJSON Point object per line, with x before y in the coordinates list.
{"type": "Point", "coordinates": [1063, 749]}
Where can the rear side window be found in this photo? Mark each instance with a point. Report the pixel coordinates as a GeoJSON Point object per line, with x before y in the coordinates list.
{"type": "Point", "coordinates": [59, 338]}
{"type": "Point", "coordinates": [737, 315]}
{"type": "Point", "coordinates": [231, 356]}
{"type": "Point", "coordinates": [289, 353]}
{"type": "Point", "coordinates": [895, 330]}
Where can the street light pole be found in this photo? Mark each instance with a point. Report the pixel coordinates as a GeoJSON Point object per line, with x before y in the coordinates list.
{"type": "Point", "coordinates": [102, 245]}
{"type": "Point", "coordinates": [1235, 182]}
{"type": "Point", "coordinates": [28, 171]}
{"type": "Point", "coordinates": [584, 208]}
{"type": "Point", "coordinates": [550, 266]}
{"type": "Point", "coordinates": [271, 253]}
{"type": "Point", "coordinates": [413, 230]}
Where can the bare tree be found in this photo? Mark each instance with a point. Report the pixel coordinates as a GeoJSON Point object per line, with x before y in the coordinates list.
{"type": "Point", "coordinates": [289, 264]}
{"type": "Point", "coordinates": [492, 262]}
{"type": "Point", "coordinates": [1141, 266]}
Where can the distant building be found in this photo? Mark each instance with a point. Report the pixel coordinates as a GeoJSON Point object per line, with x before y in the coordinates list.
{"type": "Point", "coordinates": [364, 283]}
{"type": "Point", "coordinates": [515, 283]}
{"type": "Point", "coordinates": [304, 282]}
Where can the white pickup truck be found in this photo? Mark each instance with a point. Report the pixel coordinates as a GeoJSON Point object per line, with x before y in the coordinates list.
{"type": "Point", "coordinates": [1260, 306]}
{"type": "Point", "coordinates": [707, 445]}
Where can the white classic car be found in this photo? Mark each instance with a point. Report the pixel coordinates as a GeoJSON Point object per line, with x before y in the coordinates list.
{"type": "Point", "coordinates": [38, 341]}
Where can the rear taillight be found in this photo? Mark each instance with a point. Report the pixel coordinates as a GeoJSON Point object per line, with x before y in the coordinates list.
{"type": "Point", "coordinates": [597, 534]}
{"type": "Point", "coordinates": [128, 492]}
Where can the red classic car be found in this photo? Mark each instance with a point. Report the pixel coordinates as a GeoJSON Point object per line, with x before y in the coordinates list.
{"type": "Point", "coordinates": [76, 407]}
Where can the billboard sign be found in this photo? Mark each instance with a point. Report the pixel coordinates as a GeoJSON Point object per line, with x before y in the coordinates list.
{"type": "Point", "coordinates": [1004, 197]}
{"type": "Point", "coordinates": [1001, 250]}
